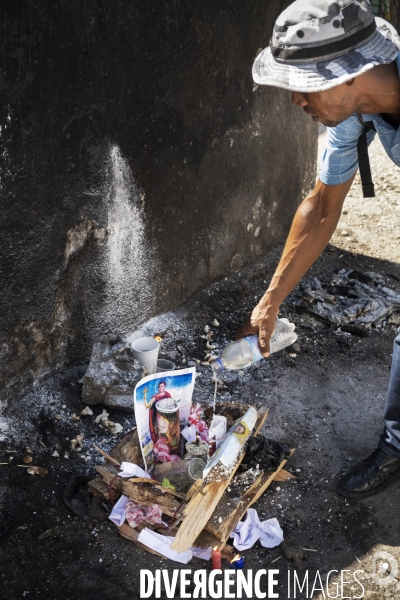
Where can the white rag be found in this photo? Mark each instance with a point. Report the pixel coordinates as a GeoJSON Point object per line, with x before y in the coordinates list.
{"type": "Point", "coordinates": [131, 470]}
{"type": "Point", "coordinates": [217, 430]}
{"type": "Point", "coordinates": [189, 433]}
{"type": "Point", "coordinates": [162, 544]}
{"type": "Point", "coordinates": [117, 515]}
{"type": "Point", "coordinates": [252, 529]}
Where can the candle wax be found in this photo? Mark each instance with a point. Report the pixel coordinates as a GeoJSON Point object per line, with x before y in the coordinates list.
{"type": "Point", "coordinates": [239, 563]}
{"type": "Point", "coordinates": [216, 559]}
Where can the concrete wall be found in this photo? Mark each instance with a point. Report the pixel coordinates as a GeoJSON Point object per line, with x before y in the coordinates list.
{"type": "Point", "coordinates": [138, 163]}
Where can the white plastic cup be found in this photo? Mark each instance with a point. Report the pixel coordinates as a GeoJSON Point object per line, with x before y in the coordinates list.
{"type": "Point", "coordinates": [145, 350]}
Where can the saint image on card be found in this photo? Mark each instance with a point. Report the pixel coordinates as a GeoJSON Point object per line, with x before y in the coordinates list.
{"type": "Point", "coordinates": [162, 407]}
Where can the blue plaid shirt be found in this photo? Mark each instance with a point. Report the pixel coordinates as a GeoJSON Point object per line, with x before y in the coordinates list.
{"type": "Point", "coordinates": [340, 161]}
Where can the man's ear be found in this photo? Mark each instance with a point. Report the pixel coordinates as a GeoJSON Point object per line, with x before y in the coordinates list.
{"type": "Point", "coordinates": [350, 81]}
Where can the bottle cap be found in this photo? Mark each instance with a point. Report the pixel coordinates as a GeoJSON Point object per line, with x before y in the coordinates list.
{"type": "Point", "coordinates": [217, 365]}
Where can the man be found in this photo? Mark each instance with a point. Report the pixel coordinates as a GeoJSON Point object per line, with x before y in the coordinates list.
{"type": "Point", "coordinates": [342, 67]}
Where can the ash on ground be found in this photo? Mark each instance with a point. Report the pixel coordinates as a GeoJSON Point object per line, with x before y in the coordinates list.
{"type": "Point", "coordinates": [325, 395]}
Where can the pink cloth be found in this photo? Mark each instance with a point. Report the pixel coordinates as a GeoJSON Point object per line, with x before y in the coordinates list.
{"type": "Point", "coordinates": [136, 514]}
{"type": "Point", "coordinates": [154, 514]}
{"type": "Point", "coordinates": [162, 452]}
{"type": "Point", "coordinates": [196, 420]}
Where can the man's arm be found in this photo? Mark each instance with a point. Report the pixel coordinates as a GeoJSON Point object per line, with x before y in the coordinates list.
{"type": "Point", "coordinates": [313, 225]}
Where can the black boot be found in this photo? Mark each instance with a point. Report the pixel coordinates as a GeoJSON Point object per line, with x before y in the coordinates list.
{"type": "Point", "coordinates": [370, 475]}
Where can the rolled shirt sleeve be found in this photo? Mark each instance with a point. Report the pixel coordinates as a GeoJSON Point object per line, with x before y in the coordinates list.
{"type": "Point", "coordinates": [340, 159]}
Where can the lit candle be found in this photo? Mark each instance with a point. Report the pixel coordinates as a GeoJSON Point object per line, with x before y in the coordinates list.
{"type": "Point", "coordinates": [216, 559]}
{"type": "Point", "coordinates": [237, 562]}
{"type": "Point", "coordinates": [197, 440]}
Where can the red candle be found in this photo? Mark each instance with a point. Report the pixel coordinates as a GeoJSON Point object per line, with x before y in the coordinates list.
{"type": "Point", "coordinates": [216, 559]}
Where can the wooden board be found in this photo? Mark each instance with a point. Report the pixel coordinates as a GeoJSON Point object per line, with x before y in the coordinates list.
{"type": "Point", "coordinates": [99, 488]}
{"type": "Point", "coordinates": [233, 504]}
{"type": "Point", "coordinates": [262, 417]}
{"type": "Point", "coordinates": [197, 513]}
{"type": "Point", "coordinates": [108, 473]}
{"type": "Point", "coordinates": [283, 475]}
{"type": "Point", "coordinates": [228, 513]}
{"type": "Point", "coordinates": [128, 449]}
{"type": "Point", "coordinates": [202, 504]}
{"type": "Point", "coordinates": [140, 492]}
{"type": "Point", "coordinates": [108, 457]}
{"type": "Point", "coordinates": [158, 485]}
{"type": "Point", "coordinates": [147, 495]}
{"type": "Point", "coordinates": [132, 534]}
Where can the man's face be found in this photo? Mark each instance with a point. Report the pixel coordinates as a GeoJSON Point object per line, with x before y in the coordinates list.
{"type": "Point", "coordinates": [329, 107]}
{"type": "Point", "coordinates": [161, 387]}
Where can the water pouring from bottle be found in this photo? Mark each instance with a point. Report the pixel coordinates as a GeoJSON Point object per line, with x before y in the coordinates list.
{"type": "Point", "coordinates": [243, 353]}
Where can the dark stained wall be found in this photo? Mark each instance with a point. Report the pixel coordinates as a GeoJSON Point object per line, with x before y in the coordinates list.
{"type": "Point", "coordinates": [138, 164]}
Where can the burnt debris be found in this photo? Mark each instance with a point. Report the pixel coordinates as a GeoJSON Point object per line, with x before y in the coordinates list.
{"type": "Point", "coordinates": [352, 301]}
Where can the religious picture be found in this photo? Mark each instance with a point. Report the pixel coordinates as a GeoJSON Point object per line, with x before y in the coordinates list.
{"type": "Point", "coordinates": [162, 407]}
{"type": "Point", "coordinates": [161, 394]}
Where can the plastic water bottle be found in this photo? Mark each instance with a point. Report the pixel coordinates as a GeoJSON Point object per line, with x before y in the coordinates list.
{"type": "Point", "coordinates": [245, 352]}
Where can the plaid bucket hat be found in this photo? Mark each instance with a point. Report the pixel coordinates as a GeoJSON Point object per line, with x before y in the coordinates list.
{"type": "Point", "coordinates": [319, 44]}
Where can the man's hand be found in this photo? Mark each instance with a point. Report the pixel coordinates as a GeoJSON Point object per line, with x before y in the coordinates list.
{"type": "Point", "coordinates": [262, 323]}
{"type": "Point", "coordinates": [312, 227]}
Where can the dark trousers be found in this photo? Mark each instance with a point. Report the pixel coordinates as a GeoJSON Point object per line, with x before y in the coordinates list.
{"type": "Point", "coordinates": [390, 438]}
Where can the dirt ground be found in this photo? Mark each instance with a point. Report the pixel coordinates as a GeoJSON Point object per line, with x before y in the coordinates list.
{"type": "Point", "coordinates": [326, 401]}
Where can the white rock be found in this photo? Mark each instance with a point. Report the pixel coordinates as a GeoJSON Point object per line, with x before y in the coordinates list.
{"type": "Point", "coordinates": [110, 426]}
{"type": "Point", "coordinates": [102, 416]}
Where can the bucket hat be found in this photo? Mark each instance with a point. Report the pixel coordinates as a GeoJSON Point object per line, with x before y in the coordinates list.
{"type": "Point", "coordinates": [319, 44]}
